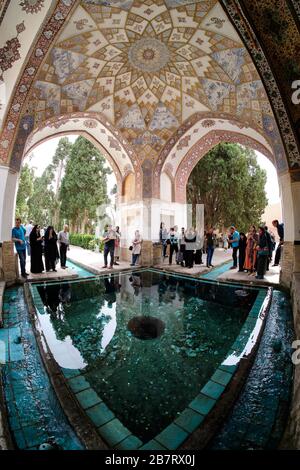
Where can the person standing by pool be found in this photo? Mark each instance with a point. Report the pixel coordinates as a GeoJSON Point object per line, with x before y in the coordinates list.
{"type": "Point", "coordinates": [173, 239]}
{"type": "Point", "coordinates": [242, 251]}
{"type": "Point", "coordinates": [117, 245]}
{"type": "Point", "coordinates": [136, 247]}
{"type": "Point", "coordinates": [251, 252]}
{"type": "Point", "coordinates": [270, 244]}
{"type": "Point", "coordinates": [109, 245]}
{"type": "Point", "coordinates": [28, 227]}
{"type": "Point", "coordinates": [64, 245]}
{"type": "Point", "coordinates": [163, 236]}
{"type": "Point", "coordinates": [190, 245]}
{"type": "Point", "coordinates": [36, 259]}
{"type": "Point", "coordinates": [262, 253]}
{"type": "Point", "coordinates": [280, 231]}
{"type": "Point", "coordinates": [211, 243]}
{"type": "Point", "coordinates": [51, 251]}
{"type": "Point", "coordinates": [18, 237]}
{"type": "Point", "coordinates": [181, 253]}
{"type": "Point", "coordinates": [234, 243]}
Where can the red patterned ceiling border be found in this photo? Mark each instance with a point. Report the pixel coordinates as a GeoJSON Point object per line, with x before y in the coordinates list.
{"type": "Point", "coordinates": [18, 103]}
{"type": "Point", "coordinates": [243, 27]}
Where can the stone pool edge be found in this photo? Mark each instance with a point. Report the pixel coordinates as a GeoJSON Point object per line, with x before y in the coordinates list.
{"type": "Point", "coordinates": [75, 414]}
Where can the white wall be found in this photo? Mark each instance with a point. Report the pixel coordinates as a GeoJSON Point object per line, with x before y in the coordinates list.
{"type": "Point", "coordinates": [8, 194]}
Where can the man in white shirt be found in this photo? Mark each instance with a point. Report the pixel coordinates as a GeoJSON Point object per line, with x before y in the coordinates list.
{"type": "Point", "coordinates": [28, 227]}
{"type": "Point", "coordinates": [64, 245]}
{"type": "Point", "coordinates": [109, 237]}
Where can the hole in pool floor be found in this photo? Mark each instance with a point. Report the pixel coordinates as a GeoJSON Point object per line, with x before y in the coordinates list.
{"type": "Point", "coordinates": [146, 327]}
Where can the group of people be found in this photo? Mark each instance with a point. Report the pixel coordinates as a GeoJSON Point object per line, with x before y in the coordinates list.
{"type": "Point", "coordinates": [112, 240]}
{"type": "Point", "coordinates": [38, 242]}
{"type": "Point", "coordinates": [251, 252]}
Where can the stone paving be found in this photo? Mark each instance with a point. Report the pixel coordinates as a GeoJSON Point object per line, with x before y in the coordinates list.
{"type": "Point", "coordinates": [63, 274]}
{"type": "Point", "coordinates": [93, 261]}
{"type": "Point", "coordinates": [271, 277]}
{"type": "Point", "coordinates": [220, 257]}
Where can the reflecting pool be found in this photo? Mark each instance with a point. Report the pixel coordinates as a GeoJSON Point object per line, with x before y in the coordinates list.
{"type": "Point", "coordinates": [146, 342]}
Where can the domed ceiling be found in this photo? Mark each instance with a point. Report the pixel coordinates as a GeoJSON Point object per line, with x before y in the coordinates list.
{"type": "Point", "coordinates": [147, 67]}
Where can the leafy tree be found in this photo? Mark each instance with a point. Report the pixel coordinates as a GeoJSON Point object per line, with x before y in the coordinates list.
{"type": "Point", "coordinates": [42, 202]}
{"type": "Point", "coordinates": [230, 184]}
{"type": "Point", "coordinates": [60, 158]}
{"type": "Point", "coordinates": [84, 185]}
{"type": "Point", "coordinates": [25, 191]}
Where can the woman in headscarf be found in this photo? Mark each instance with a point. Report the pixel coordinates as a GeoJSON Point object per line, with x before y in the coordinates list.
{"type": "Point", "coordinates": [51, 250]}
{"type": "Point", "coordinates": [262, 253]}
{"type": "Point", "coordinates": [251, 252]}
{"type": "Point", "coordinates": [190, 246]}
{"type": "Point", "coordinates": [36, 260]}
{"type": "Point", "coordinates": [136, 247]}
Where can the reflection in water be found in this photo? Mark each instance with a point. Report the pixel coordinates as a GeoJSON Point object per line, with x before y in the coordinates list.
{"type": "Point", "coordinates": [145, 383]}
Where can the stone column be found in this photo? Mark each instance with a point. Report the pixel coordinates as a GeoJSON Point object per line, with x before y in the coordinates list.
{"type": "Point", "coordinates": [9, 263]}
{"type": "Point", "coordinates": [145, 215]}
{"type": "Point", "coordinates": [8, 193]}
{"type": "Point", "coordinates": [287, 258]}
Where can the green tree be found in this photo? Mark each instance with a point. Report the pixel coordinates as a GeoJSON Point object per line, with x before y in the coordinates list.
{"type": "Point", "coordinates": [84, 185]}
{"type": "Point", "coordinates": [59, 161]}
{"type": "Point", "coordinates": [42, 202]}
{"type": "Point", "coordinates": [231, 185]}
{"type": "Point", "coordinates": [25, 191]}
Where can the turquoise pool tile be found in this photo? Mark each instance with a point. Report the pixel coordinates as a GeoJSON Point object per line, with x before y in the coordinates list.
{"type": "Point", "coordinates": [20, 440]}
{"type": "Point", "coordinates": [78, 384]}
{"type": "Point", "coordinates": [172, 437]}
{"type": "Point", "coordinates": [100, 414]}
{"type": "Point", "coordinates": [130, 443]}
{"type": "Point", "coordinates": [228, 368]}
{"type": "Point", "coordinates": [114, 432]}
{"type": "Point", "coordinates": [189, 420]}
{"type": "Point", "coordinates": [212, 390]}
{"type": "Point", "coordinates": [221, 377]}
{"type": "Point", "coordinates": [153, 445]}
{"type": "Point", "coordinates": [16, 352]}
{"type": "Point", "coordinates": [202, 404]}
{"type": "Point", "coordinates": [69, 373]}
{"type": "Point", "coordinates": [34, 436]}
{"type": "Point", "coordinates": [88, 398]}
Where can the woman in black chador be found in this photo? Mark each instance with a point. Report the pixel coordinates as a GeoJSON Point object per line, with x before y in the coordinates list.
{"type": "Point", "coordinates": [35, 238]}
{"type": "Point", "coordinates": [51, 250]}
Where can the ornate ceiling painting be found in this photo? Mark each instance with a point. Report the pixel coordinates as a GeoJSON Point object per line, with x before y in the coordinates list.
{"type": "Point", "coordinates": [151, 69]}
{"type": "Point", "coordinates": [275, 25]}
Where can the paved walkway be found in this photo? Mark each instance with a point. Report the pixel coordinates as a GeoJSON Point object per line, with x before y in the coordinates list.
{"type": "Point", "coordinates": [88, 262]}
{"type": "Point", "coordinates": [271, 277]}
{"type": "Point", "coordinates": [220, 257]}
{"type": "Point", "coordinates": [92, 261]}
{"type": "Point", "coordinates": [64, 274]}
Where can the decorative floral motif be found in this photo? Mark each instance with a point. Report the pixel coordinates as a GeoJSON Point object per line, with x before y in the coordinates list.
{"type": "Point", "coordinates": [90, 124]}
{"type": "Point", "coordinates": [9, 54]}
{"type": "Point", "coordinates": [148, 55]}
{"type": "Point", "coordinates": [208, 123]}
{"type": "Point", "coordinates": [32, 6]}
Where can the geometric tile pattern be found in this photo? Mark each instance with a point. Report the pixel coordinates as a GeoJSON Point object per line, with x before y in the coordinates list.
{"type": "Point", "coordinates": [147, 67]}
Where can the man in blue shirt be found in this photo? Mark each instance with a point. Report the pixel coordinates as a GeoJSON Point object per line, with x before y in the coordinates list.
{"type": "Point", "coordinates": [280, 231]}
{"type": "Point", "coordinates": [234, 242]}
{"type": "Point", "coordinates": [18, 236]}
